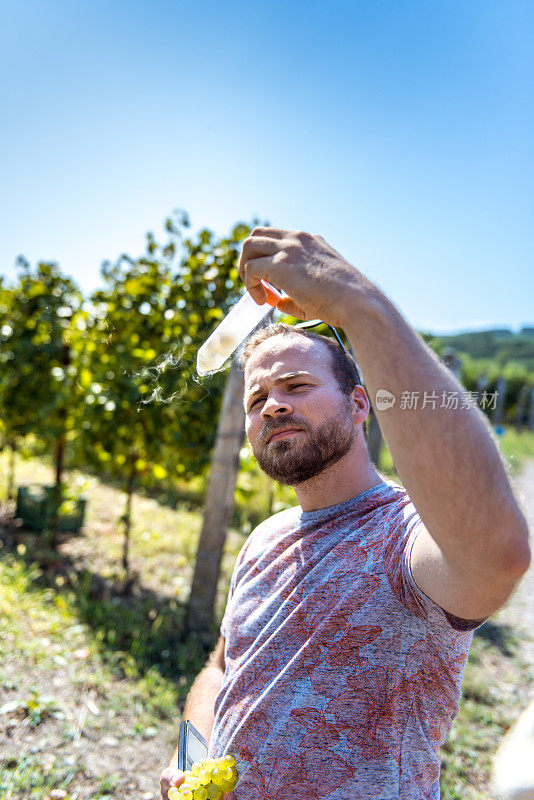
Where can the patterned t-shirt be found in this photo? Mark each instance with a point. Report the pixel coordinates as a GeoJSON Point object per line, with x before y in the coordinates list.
{"type": "Point", "coordinates": [342, 678]}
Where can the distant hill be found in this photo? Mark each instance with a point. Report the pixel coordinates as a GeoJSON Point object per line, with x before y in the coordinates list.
{"type": "Point", "coordinates": [500, 345]}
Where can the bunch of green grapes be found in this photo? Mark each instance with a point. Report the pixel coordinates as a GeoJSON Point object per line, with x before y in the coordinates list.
{"type": "Point", "coordinates": [207, 780]}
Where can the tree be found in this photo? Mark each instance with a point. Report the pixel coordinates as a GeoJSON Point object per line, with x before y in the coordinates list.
{"type": "Point", "coordinates": [146, 415]}
{"type": "Point", "coordinates": [6, 330]}
{"type": "Point", "coordinates": [37, 379]}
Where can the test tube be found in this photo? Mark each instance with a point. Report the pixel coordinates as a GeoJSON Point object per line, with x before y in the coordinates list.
{"type": "Point", "coordinates": [240, 321]}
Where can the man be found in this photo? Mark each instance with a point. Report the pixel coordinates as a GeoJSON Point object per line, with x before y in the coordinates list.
{"type": "Point", "coordinates": [349, 619]}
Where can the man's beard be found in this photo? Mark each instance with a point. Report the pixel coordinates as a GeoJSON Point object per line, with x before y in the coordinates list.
{"type": "Point", "coordinates": [295, 460]}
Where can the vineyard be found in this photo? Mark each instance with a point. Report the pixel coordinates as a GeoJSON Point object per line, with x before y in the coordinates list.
{"type": "Point", "coordinates": [107, 382]}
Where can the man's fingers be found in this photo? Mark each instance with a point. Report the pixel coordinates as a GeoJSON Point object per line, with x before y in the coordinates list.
{"type": "Point", "coordinates": [288, 306]}
{"type": "Point", "coordinates": [273, 233]}
{"type": "Point", "coordinates": [256, 248]}
{"type": "Point", "coordinates": [170, 777]}
{"type": "Point", "coordinates": [253, 272]}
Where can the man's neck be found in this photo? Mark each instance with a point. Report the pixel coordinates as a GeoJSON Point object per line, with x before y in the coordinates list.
{"type": "Point", "coordinates": [348, 477]}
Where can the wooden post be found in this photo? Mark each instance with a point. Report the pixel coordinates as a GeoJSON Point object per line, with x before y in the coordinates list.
{"type": "Point", "coordinates": [11, 472]}
{"type": "Point", "coordinates": [482, 385]}
{"type": "Point", "coordinates": [374, 439]}
{"type": "Point", "coordinates": [521, 403]}
{"type": "Point", "coordinates": [127, 518]}
{"type": "Point", "coordinates": [499, 406]}
{"type": "Point", "coordinates": [451, 360]}
{"type": "Point", "coordinates": [219, 503]}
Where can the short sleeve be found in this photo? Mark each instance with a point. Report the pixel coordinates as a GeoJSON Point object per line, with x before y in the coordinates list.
{"type": "Point", "coordinates": [404, 526]}
{"type": "Point", "coordinates": [457, 623]}
{"type": "Point", "coordinates": [224, 622]}
{"type": "Point", "coordinates": [233, 581]}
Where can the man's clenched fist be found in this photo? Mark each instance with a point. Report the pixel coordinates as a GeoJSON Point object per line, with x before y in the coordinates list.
{"type": "Point", "coordinates": [318, 280]}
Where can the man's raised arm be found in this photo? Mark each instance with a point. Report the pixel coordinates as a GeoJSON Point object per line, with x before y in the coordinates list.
{"type": "Point", "coordinates": [446, 457]}
{"type": "Point", "coordinates": [441, 444]}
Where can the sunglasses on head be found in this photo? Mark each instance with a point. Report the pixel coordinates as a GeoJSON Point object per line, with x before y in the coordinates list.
{"type": "Point", "coordinates": [314, 323]}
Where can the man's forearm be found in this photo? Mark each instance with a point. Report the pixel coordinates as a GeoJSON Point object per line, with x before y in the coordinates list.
{"type": "Point", "coordinates": [199, 706]}
{"type": "Point", "coordinates": [446, 458]}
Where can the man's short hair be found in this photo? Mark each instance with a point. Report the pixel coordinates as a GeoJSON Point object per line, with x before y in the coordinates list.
{"type": "Point", "coordinates": [342, 364]}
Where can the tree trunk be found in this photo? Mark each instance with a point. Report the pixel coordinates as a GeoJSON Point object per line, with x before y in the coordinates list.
{"type": "Point", "coordinates": [57, 493]}
{"type": "Point", "coordinates": [374, 439]}
{"type": "Point", "coordinates": [127, 521]}
{"type": "Point", "coordinates": [60, 455]}
{"type": "Point", "coordinates": [219, 504]}
{"type": "Point", "coordinates": [59, 458]}
{"type": "Point", "coordinates": [11, 473]}
{"type": "Point", "coordinates": [270, 497]}
{"type": "Point", "coordinates": [62, 413]}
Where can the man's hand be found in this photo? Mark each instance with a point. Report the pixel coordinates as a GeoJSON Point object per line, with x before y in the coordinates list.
{"type": "Point", "coordinates": [171, 776]}
{"type": "Point", "coordinates": [318, 280]}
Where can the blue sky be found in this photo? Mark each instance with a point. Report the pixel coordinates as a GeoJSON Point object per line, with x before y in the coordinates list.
{"type": "Point", "coordinates": [401, 131]}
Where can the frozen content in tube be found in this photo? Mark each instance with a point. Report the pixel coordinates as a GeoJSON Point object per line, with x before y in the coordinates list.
{"type": "Point", "coordinates": [234, 328]}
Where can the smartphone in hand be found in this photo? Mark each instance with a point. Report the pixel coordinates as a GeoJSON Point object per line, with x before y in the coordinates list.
{"type": "Point", "coordinates": [191, 746]}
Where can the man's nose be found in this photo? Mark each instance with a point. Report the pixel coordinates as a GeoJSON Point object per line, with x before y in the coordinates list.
{"type": "Point", "coordinates": [274, 406]}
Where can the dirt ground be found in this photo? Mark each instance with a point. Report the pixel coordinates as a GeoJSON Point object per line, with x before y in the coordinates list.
{"type": "Point", "coordinates": [519, 611]}
{"type": "Point", "coordinates": [104, 739]}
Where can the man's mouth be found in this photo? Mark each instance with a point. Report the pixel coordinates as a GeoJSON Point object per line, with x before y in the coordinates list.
{"type": "Point", "coordinates": [284, 434]}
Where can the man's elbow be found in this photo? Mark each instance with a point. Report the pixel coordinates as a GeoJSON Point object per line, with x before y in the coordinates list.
{"type": "Point", "coordinates": [517, 554]}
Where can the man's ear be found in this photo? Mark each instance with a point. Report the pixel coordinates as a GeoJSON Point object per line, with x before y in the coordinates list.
{"type": "Point", "coordinates": [360, 403]}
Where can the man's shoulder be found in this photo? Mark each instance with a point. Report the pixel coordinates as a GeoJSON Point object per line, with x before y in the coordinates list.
{"type": "Point", "coordinates": [282, 520]}
{"type": "Point", "coordinates": [396, 495]}
{"type": "Point", "coordinates": [384, 501]}
{"type": "Point", "coordinates": [267, 532]}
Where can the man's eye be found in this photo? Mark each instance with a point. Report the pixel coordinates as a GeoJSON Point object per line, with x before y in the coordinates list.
{"type": "Point", "coordinates": [261, 399]}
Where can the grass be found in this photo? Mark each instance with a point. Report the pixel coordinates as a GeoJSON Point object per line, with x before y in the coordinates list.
{"type": "Point", "coordinates": [517, 447]}
{"type": "Point", "coordinates": [496, 683]}
{"type": "Point", "coordinates": [50, 625]}
{"type": "Point", "coordinates": [64, 620]}
{"type": "Point", "coordinates": [62, 684]}
{"type": "Point", "coordinates": [32, 777]}
{"type": "Point", "coordinates": [163, 538]}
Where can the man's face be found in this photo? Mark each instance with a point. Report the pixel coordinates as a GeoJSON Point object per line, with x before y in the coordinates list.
{"type": "Point", "coordinates": [297, 419]}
